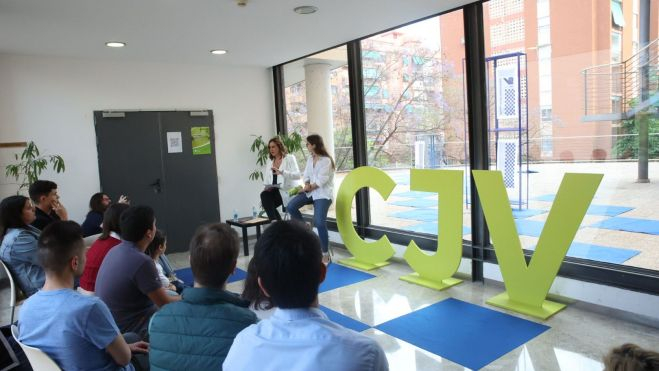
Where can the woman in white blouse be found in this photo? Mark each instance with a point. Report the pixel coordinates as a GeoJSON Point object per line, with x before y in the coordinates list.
{"type": "Point", "coordinates": [279, 176]}
{"type": "Point", "coordinates": [318, 189]}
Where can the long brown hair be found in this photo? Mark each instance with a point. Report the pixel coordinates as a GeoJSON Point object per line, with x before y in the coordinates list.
{"type": "Point", "coordinates": [319, 146]}
{"type": "Point", "coordinates": [111, 218]}
{"type": "Point", "coordinates": [282, 148]}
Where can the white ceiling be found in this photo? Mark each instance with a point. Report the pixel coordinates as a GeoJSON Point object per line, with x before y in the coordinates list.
{"type": "Point", "coordinates": [263, 33]}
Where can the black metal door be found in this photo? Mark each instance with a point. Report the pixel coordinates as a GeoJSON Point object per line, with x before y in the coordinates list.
{"type": "Point", "coordinates": [135, 159]}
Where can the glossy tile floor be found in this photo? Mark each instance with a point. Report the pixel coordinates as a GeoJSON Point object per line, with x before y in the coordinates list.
{"type": "Point", "coordinates": [578, 338]}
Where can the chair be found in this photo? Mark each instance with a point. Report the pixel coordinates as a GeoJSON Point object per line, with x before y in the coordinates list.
{"type": "Point", "coordinates": [38, 359]}
{"type": "Point", "coordinates": [12, 287]}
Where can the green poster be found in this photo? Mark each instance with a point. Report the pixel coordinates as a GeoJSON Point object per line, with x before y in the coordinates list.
{"type": "Point", "coordinates": [201, 140]}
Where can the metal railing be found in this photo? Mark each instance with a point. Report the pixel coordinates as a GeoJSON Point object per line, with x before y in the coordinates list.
{"type": "Point", "coordinates": [617, 91]}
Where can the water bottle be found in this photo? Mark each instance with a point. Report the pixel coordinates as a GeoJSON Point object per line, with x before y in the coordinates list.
{"type": "Point", "coordinates": [253, 211]}
{"type": "Point", "coordinates": [235, 215]}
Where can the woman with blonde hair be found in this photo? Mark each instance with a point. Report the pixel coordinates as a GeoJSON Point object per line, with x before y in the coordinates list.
{"type": "Point", "coordinates": [280, 175]}
{"type": "Point", "coordinates": [318, 190]}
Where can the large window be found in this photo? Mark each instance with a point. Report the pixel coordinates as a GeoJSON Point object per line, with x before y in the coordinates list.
{"type": "Point", "coordinates": [579, 116]}
{"type": "Point", "coordinates": [317, 97]}
{"type": "Point", "coordinates": [414, 112]}
{"type": "Point", "coordinates": [558, 100]}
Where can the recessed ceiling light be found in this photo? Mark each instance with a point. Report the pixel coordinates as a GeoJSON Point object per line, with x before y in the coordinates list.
{"type": "Point", "coordinates": [115, 44]}
{"type": "Point", "coordinates": [218, 51]}
{"type": "Point", "coordinates": [305, 9]}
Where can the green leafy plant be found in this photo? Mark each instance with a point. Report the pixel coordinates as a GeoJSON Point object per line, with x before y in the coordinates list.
{"type": "Point", "coordinates": [292, 141]}
{"type": "Point", "coordinates": [627, 146]}
{"type": "Point", "coordinates": [31, 164]}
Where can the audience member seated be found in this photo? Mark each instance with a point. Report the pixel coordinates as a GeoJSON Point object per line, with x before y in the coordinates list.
{"type": "Point", "coordinates": [298, 336]}
{"type": "Point", "coordinates": [76, 331]}
{"type": "Point", "coordinates": [631, 357]}
{"type": "Point", "coordinates": [19, 243]}
{"type": "Point", "coordinates": [100, 248]}
{"type": "Point", "coordinates": [128, 280]}
{"type": "Point", "coordinates": [155, 250]}
{"type": "Point", "coordinates": [46, 199]}
{"type": "Point", "coordinates": [97, 205]}
{"type": "Point", "coordinates": [196, 333]}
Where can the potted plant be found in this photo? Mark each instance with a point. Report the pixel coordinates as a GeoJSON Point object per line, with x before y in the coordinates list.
{"type": "Point", "coordinates": [31, 164]}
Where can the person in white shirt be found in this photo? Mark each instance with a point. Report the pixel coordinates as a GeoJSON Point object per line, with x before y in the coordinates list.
{"type": "Point", "coordinates": [287, 270]}
{"type": "Point", "coordinates": [155, 250]}
{"type": "Point", "coordinates": [318, 190]}
{"type": "Point", "coordinates": [280, 175]}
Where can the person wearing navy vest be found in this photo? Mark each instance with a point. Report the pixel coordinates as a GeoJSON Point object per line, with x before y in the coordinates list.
{"type": "Point", "coordinates": [197, 332]}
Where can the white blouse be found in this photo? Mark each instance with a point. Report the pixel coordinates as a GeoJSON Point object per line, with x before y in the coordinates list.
{"type": "Point", "coordinates": [322, 174]}
{"type": "Point", "coordinates": [289, 178]}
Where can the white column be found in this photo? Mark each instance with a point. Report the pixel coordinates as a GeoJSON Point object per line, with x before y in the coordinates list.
{"type": "Point", "coordinates": [319, 103]}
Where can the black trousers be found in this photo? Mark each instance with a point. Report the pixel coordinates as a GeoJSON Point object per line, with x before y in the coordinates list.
{"type": "Point", "coordinates": [270, 200]}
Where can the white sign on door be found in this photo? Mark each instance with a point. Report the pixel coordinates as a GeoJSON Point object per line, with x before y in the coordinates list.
{"type": "Point", "coordinates": [174, 142]}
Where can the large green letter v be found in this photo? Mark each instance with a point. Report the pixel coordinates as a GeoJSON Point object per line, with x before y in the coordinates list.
{"type": "Point", "coordinates": [527, 286]}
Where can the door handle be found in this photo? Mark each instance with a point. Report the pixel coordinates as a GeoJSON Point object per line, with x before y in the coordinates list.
{"type": "Point", "coordinates": [156, 186]}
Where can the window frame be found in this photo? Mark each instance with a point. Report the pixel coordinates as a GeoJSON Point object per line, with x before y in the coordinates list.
{"type": "Point", "coordinates": [477, 250]}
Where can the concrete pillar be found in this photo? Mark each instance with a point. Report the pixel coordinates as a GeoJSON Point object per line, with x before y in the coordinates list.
{"type": "Point", "coordinates": [319, 103]}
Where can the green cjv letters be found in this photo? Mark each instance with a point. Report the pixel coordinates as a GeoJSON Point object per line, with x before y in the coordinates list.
{"type": "Point", "coordinates": [526, 285]}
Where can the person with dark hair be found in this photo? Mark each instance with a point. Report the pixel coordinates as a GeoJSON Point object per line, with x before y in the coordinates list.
{"type": "Point", "coordinates": [318, 190]}
{"type": "Point", "coordinates": [196, 333]}
{"type": "Point", "coordinates": [128, 280]}
{"type": "Point", "coordinates": [631, 357]}
{"type": "Point", "coordinates": [98, 203]}
{"type": "Point", "coordinates": [280, 175]}
{"type": "Point", "coordinates": [298, 336]}
{"type": "Point", "coordinates": [46, 200]}
{"type": "Point", "coordinates": [109, 238]}
{"type": "Point", "coordinates": [155, 250]}
{"type": "Point", "coordinates": [76, 331]}
{"type": "Point", "coordinates": [19, 243]}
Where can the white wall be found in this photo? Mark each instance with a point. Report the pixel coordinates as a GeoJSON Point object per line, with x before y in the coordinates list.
{"type": "Point", "coordinates": [51, 101]}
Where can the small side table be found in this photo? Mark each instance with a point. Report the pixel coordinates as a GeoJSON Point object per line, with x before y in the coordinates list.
{"type": "Point", "coordinates": [247, 222]}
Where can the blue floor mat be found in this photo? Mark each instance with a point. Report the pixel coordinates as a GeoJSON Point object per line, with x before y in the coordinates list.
{"type": "Point", "coordinates": [185, 275]}
{"type": "Point", "coordinates": [416, 202]}
{"type": "Point", "coordinates": [526, 213]}
{"type": "Point", "coordinates": [430, 228]}
{"type": "Point", "coordinates": [613, 255]}
{"type": "Point", "coordinates": [529, 227]}
{"type": "Point", "coordinates": [403, 179]}
{"type": "Point", "coordinates": [424, 215]}
{"type": "Point", "coordinates": [430, 215]}
{"type": "Point", "coordinates": [464, 333]}
{"type": "Point", "coordinates": [339, 276]}
{"type": "Point", "coordinates": [415, 194]}
{"type": "Point", "coordinates": [607, 210]}
{"type": "Point", "coordinates": [646, 226]}
{"type": "Point", "coordinates": [344, 320]}
{"type": "Point", "coordinates": [545, 198]}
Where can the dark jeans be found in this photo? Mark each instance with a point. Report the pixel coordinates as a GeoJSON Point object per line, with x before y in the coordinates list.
{"type": "Point", "coordinates": [270, 200]}
{"type": "Point", "coordinates": [320, 208]}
